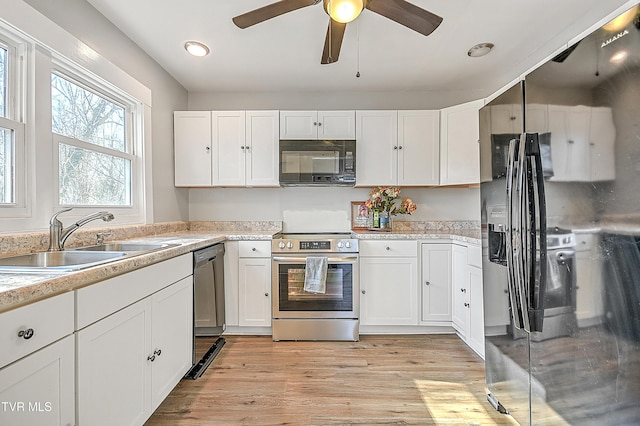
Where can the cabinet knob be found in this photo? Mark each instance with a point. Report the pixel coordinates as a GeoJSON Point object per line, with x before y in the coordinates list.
{"type": "Point", "coordinates": [388, 248]}
{"type": "Point", "coordinates": [151, 358]}
{"type": "Point", "coordinates": [247, 148]}
{"type": "Point", "coordinates": [427, 283]}
{"type": "Point", "coordinates": [26, 334]}
{"type": "Point", "coordinates": [208, 149]}
{"type": "Point", "coordinates": [464, 290]}
{"type": "Point", "coordinates": [570, 141]}
{"type": "Point", "coordinates": [266, 294]}
{"type": "Point", "coordinates": [253, 249]}
{"type": "Point", "coordinates": [466, 305]}
{"type": "Point", "coordinates": [315, 123]}
{"type": "Point", "coordinates": [400, 147]}
{"type": "Point", "coordinates": [157, 352]}
{"type": "Point", "coordinates": [395, 147]}
{"type": "Point", "coordinates": [364, 291]}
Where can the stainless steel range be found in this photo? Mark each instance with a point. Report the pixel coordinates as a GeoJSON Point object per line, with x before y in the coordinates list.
{"type": "Point", "coordinates": [330, 312]}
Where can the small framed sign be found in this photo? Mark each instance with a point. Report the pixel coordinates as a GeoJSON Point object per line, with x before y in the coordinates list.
{"type": "Point", "coordinates": [359, 216]}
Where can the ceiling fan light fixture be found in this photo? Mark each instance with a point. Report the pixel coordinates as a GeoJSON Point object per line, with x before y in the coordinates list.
{"type": "Point", "coordinates": [196, 48]}
{"type": "Point", "coordinates": [344, 11]}
{"type": "Point", "coordinates": [480, 49]}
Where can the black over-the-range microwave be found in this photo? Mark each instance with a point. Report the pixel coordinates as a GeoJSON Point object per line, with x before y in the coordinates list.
{"type": "Point", "coordinates": [317, 162]}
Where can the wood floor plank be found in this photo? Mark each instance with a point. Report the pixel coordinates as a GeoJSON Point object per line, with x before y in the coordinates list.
{"type": "Point", "coordinates": [380, 380]}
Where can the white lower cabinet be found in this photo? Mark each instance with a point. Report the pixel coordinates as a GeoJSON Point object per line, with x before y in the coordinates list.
{"type": "Point", "coordinates": [436, 282]}
{"type": "Point", "coordinates": [129, 361]}
{"type": "Point", "coordinates": [388, 283]}
{"type": "Point", "coordinates": [589, 280]}
{"type": "Point", "coordinates": [254, 283]}
{"type": "Point", "coordinates": [39, 388]}
{"type": "Point", "coordinates": [468, 313]}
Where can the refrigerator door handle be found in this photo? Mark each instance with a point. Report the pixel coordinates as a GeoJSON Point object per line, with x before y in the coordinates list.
{"type": "Point", "coordinates": [513, 250]}
{"type": "Point", "coordinates": [522, 237]}
{"type": "Point", "coordinates": [538, 220]}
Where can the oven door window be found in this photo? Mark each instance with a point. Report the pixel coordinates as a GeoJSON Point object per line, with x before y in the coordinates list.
{"type": "Point", "coordinates": [337, 297]}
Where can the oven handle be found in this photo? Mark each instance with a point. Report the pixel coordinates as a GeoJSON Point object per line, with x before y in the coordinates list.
{"type": "Point", "coordinates": [349, 259]}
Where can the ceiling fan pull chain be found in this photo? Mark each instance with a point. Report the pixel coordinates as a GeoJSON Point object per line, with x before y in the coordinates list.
{"type": "Point", "coordinates": [358, 49]}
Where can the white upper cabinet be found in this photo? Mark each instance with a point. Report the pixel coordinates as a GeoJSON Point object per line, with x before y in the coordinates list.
{"type": "Point", "coordinates": [324, 125]}
{"type": "Point", "coordinates": [506, 119]}
{"type": "Point", "coordinates": [398, 148]}
{"type": "Point", "coordinates": [459, 147]}
{"type": "Point", "coordinates": [192, 145]}
{"type": "Point", "coordinates": [376, 135]}
{"type": "Point", "coordinates": [229, 148]}
{"type": "Point", "coordinates": [582, 143]}
{"type": "Point", "coordinates": [226, 148]}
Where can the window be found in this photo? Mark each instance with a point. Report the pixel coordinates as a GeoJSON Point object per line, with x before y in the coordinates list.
{"type": "Point", "coordinates": [11, 128]}
{"type": "Point", "coordinates": [95, 147]}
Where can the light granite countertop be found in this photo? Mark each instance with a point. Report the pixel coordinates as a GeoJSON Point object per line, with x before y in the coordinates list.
{"type": "Point", "coordinates": [18, 289]}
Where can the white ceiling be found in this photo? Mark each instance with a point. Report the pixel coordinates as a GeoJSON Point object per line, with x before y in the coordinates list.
{"type": "Point", "coordinates": [283, 54]}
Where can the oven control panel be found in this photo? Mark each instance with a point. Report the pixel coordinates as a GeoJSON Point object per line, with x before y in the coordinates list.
{"type": "Point", "coordinates": [344, 245]}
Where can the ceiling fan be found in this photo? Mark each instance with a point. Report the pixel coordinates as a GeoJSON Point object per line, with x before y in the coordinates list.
{"type": "Point", "coordinates": [343, 11]}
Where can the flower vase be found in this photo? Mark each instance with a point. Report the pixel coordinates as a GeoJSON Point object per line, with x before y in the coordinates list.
{"type": "Point", "coordinates": [385, 221]}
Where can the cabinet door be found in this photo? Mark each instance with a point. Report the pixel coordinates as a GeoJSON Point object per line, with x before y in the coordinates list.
{"type": "Point", "coordinates": [113, 385]}
{"type": "Point", "coordinates": [602, 136]}
{"type": "Point", "coordinates": [254, 292]}
{"type": "Point", "coordinates": [192, 146]}
{"type": "Point", "coordinates": [475, 337]}
{"type": "Point", "coordinates": [460, 286]}
{"type": "Point", "coordinates": [229, 148]}
{"type": "Point", "coordinates": [569, 127]}
{"type": "Point", "coordinates": [418, 148]}
{"type": "Point", "coordinates": [376, 138]}
{"type": "Point", "coordinates": [388, 291]}
{"type": "Point", "coordinates": [436, 282]}
{"type": "Point", "coordinates": [298, 125]}
{"type": "Point", "coordinates": [334, 125]}
{"type": "Point", "coordinates": [262, 136]}
{"type": "Point", "coordinates": [171, 337]}
{"type": "Point", "coordinates": [39, 389]}
{"type": "Point", "coordinates": [459, 147]}
{"type": "Point", "coordinates": [506, 119]}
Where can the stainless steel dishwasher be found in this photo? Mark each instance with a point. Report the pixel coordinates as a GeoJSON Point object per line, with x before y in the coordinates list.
{"type": "Point", "coordinates": [208, 307]}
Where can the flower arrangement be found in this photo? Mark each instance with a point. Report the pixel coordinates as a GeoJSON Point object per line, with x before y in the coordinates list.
{"type": "Point", "coordinates": [383, 198]}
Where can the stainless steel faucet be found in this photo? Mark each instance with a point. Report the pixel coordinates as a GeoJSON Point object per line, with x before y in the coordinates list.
{"type": "Point", "coordinates": [58, 235]}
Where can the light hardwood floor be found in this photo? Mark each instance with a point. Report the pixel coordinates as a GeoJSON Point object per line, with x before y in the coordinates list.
{"type": "Point", "coordinates": [400, 380]}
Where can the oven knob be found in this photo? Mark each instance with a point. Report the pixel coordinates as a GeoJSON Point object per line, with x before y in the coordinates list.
{"type": "Point", "coordinates": [281, 244]}
{"type": "Point", "coordinates": [289, 245]}
{"type": "Point", "coordinates": [340, 245]}
{"type": "Point", "coordinates": [347, 244]}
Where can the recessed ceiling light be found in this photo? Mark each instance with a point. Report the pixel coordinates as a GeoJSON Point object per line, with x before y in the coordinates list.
{"type": "Point", "coordinates": [196, 48]}
{"type": "Point", "coordinates": [480, 50]}
{"type": "Point", "coordinates": [619, 57]}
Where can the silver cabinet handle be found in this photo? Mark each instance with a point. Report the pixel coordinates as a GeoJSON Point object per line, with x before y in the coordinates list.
{"type": "Point", "coordinates": [388, 248]}
{"type": "Point", "coordinates": [427, 283]}
{"type": "Point", "coordinates": [26, 334]}
{"type": "Point", "coordinates": [400, 147]}
{"type": "Point", "coordinates": [395, 147]}
{"type": "Point", "coordinates": [364, 292]}
{"type": "Point", "coordinates": [157, 352]}
{"type": "Point", "coordinates": [466, 305]}
{"type": "Point", "coordinates": [464, 290]}
{"type": "Point", "coordinates": [315, 123]}
{"type": "Point", "coordinates": [208, 148]}
{"type": "Point", "coordinates": [254, 249]}
{"type": "Point", "coordinates": [266, 294]}
{"type": "Point", "coordinates": [242, 147]}
{"type": "Point", "coordinates": [151, 358]}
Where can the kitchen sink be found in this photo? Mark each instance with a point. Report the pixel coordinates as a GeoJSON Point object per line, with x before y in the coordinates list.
{"type": "Point", "coordinates": [126, 247]}
{"type": "Point", "coordinates": [51, 261]}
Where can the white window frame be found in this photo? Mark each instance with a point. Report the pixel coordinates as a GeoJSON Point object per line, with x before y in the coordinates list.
{"type": "Point", "coordinates": [20, 62]}
{"type": "Point", "coordinates": [134, 135]}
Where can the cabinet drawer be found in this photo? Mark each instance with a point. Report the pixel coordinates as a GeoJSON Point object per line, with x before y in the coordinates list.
{"type": "Point", "coordinates": [474, 256]}
{"type": "Point", "coordinates": [389, 248]}
{"type": "Point", "coordinates": [48, 320]}
{"type": "Point", "coordinates": [254, 248]}
{"type": "Point", "coordinates": [99, 300]}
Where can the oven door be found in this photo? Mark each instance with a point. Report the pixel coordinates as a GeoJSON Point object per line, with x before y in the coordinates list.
{"type": "Point", "coordinates": [340, 299]}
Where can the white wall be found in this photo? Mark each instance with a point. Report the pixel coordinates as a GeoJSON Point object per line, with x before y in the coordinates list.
{"type": "Point", "coordinates": [324, 208]}
{"type": "Point", "coordinates": [85, 23]}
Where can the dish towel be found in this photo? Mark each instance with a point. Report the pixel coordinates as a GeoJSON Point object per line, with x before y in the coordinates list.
{"type": "Point", "coordinates": [315, 277]}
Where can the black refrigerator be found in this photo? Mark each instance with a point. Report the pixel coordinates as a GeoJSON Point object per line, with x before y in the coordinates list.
{"type": "Point", "coordinates": [560, 212]}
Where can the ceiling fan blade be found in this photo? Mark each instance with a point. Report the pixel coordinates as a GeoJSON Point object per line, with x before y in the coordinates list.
{"type": "Point", "coordinates": [271, 11]}
{"type": "Point", "coordinates": [407, 14]}
{"type": "Point", "coordinates": [333, 42]}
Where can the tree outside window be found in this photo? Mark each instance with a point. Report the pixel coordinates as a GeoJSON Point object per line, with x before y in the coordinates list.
{"type": "Point", "coordinates": [95, 157]}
